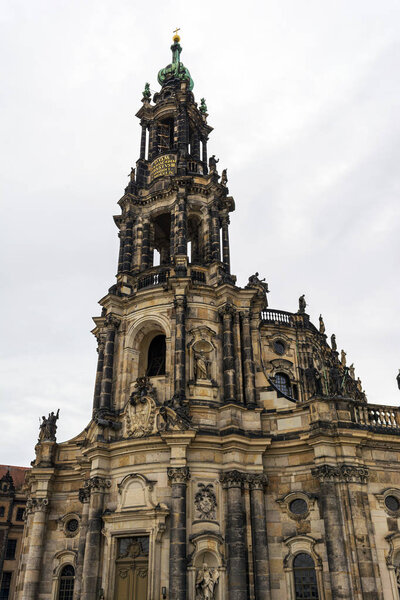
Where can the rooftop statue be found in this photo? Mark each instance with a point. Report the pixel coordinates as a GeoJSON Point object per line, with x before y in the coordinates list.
{"type": "Point", "coordinates": [212, 163]}
{"type": "Point", "coordinates": [343, 358]}
{"type": "Point", "coordinates": [203, 106]}
{"type": "Point", "coordinates": [146, 92]}
{"type": "Point", "coordinates": [224, 177]}
{"type": "Point", "coordinates": [321, 324]}
{"type": "Point", "coordinates": [398, 379]}
{"type": "Point", "coordinates": [333, 342]}
{"type": "Point", "coordinates": [302, 304]}
{"type": "Point", "coordinates": [48, 427]}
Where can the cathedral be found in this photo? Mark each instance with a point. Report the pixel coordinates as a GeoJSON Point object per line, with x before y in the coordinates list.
{"type": "Point", "coordinates": [231, 453]}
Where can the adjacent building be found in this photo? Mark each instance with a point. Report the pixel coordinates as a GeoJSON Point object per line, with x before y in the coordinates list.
{"type": "Point", "coordinates": [231, 453]}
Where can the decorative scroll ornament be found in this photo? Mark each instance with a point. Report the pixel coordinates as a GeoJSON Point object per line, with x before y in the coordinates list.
{"type": "Point", "coordinates": [178, 474]}
{"type": "Point", "coordinates": [205, 502]}
{"type": "Point", "coordinates": [84, 495]}
{"type": "Point", "coordinates": [206, 581]}
{"type": "Point", "coordinates": [342, 473]}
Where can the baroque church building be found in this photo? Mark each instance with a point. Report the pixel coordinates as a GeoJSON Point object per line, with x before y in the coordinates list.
{"type": "Point", "coordinates": [231, 453]}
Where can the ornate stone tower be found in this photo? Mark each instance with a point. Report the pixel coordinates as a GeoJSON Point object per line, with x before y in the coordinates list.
{"type": "Point", "coordinates": [229, 450]}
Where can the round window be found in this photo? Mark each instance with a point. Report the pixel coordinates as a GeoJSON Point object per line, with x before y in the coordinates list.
{"type": "Point", "coordinates": [392, 503]}
{"type": "Point", "coordinates": [279, 347]}
{"type": "Point", "coordinates": [298, 506]}
{"type": "Point", "coordinates": [72, 525]}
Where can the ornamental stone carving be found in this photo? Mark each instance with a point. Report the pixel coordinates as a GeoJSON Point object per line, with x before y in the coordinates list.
{"type": "Point", "coordinates": [178, 474]}
{"type": "Point", "coordinates": [84, 495]}
{"type": "Point", "coordinates": [48, 427]}
{"type": "Point", "coordinates": [36, 505]}
{"type": "Point", "coordinates": [230, 479]}
{"type": "Point", "coordinates": [257, 481]}
{"type": "Point", "coordinates": [97, 484]}
{"type": "Point", "coordinates": [342, 473]}
{"type": "Point", "coordinates": [205, 502]}
{"type": "Point", "coordinates": [112, 321]}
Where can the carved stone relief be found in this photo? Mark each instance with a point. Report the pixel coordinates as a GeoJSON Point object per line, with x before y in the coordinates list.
{"type": "Point", "coordinates": [205, 502]}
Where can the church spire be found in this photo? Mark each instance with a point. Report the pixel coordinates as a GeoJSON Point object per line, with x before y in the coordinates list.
{"type": "Point", "coordinates": [176, 70]}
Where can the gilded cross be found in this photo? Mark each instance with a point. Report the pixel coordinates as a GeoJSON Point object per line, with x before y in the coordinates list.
{"type": "Point", "coordinates": [176, 30]}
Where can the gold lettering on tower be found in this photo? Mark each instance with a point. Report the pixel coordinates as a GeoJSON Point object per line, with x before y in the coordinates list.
{"type": "Point", "coordinates": [163, 166]}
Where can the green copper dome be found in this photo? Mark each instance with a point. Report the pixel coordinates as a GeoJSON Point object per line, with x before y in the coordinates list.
{"type": "Point", "coordinates": [176, 70]}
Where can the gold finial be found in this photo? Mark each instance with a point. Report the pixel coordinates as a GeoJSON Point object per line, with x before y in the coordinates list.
{"type": "Point", "coordinates": [176, 37]}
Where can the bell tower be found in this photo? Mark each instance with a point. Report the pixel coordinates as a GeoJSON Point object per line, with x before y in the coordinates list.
{"type": "Point", "coordinates": [175, 209]}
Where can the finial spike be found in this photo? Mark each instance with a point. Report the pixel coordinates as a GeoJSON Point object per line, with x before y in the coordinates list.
{"type": "Point", "coordinates": [176, 37]}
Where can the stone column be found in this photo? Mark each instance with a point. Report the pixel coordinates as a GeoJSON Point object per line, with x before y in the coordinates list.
{"type": "Point", "coordinates": [238, 358]}
{"type": "Point", "coordinates": [128, 244]}
{"type": "Point", "coordinates": [112, 324]}
{"type": "Point", "coordinates": [84, 497]}
{"type": "Point", "coordinates": [99, 373]}
{"type": "Point", "coordinates": [180, 347]}
{"type": "Point", "coordinates": [215, 241]}
{"type": "Point", "coordinates": [232, 481]}
{"type": "Point", "coordinates": [152, 141]}
{"type": "Point", "coordinates": [225, 243]}
{"type": "Point", "coordinates": [257, 484]}
{"type": "Point", "coordinates": [91, 563]}
{"type": "Point", "coordinates": [121, 235]}
{"type": "Point", "coordinates": [329, 477]}
{"type": "Point", "coordinates": [143, 140]}
{"type": "Point", "coordinates": [178, 477]}
{"type": "Point", "coordinates": [145, 254]}
{"type": "Point", "coordinates": [137, 255]}
{"type": "Point", "coordinates": [228, 360]}
{"type": "Point", "coordinates": [248, 361]}
{"type": "Point", "coordinates": [181, 223]}
{"type": "Point", "coordinates": [204, 157]}
{"type": "Point", "coordinates": [172, 236]}
{"type": "Point", "coordinates": [36, 510]}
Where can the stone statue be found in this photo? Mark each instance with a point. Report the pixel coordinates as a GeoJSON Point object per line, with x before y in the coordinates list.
{"type": "Point", "coordinates": [132, 175]}
{"type": "Point", "coordinates": [224, 177]}
{"type": "Point", "coordinates": [313, 379]}
{"type": "Point", "coordinates": [398, 379]}
{"type": "Point", "coordinates": [359, 384]}
{"type": "Point", "coordinates": [321, 324]}
{"type": "Point", "coordinates": [203, 106]}
{"type": "Point", "coordinates": [201, 366]}
{"type": "Point", "coordinates": [212, 163]}
{"type": "Point", "coordinates": [146, 92]}
{"type": "Point", "coordinates": [343, 358]}
{"type": "Point", "coordinates": [206, 580]}
{"type": "Point", "coordinates": [261, 284]}
{"type": "Point", "coordinates": [333, 342]}
{"type": "Point", "coordinates": [48, 427]}
{"type": "Point", "coordinates": [302, 304]}
{"type": "Point", "coordinates": [336, 381]}
{"type": "Point", "coordinates": [352, 371]}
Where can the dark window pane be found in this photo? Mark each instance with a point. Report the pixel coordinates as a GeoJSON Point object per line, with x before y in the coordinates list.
{"type": "Point", "coordinates": [156, 357]}
{"type": "Point", "coordinates": [72, 525]}
{"type": "Point", "coordinates": [67, 578]}
{"type": "Point", "coordinates": [20, 514]}
{"type": "Point", "coordinates": [5, 586]}
{"type": "Point", "coordinates": [279, 347]}
{"type": "Point", "coordinates": [2, 511]}
{"type": "Point", "coordinates": [298, 507]}
{"type": "Point", "coordinates": [10, 549]}
{"type": "Point", "coordinates": [282, 382]}
{"type": "Point", "coordinates": [305, 581]}
{"type": "Point", "coordinates": [392, 503]}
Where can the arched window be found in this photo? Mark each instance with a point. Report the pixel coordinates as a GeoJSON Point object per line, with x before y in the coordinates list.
{"type": "Point", "coordinates": [305, 580]}
{"type": "Point", "coordinates": [156, 357]}
{"type": "Point", "coordinates": [66, 587]}
{"type": "Point", "coordinates": [282, 382]}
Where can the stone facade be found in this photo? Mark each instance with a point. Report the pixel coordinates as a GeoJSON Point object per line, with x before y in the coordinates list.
{"type": "Point", "coordinates": [231, 452]}
{"type": "Point", "coordinates": [12, 513]}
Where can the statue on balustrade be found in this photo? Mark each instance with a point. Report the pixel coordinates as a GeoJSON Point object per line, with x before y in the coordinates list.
{"type": "Point", "coordinates": [333, 342]}
{"type": "Point", "coordinates": [343, 358]}
{"type": "Point", "coordinates": [336, 381]}
{"type": "Point", "coordinates": [398, 379]}
{"type": "Point", "coordinates": [212, 163]}
{"type": "Point", "coordinates": [206, 581]}
{"type": "Point", "coordinates": [313, 379]}
{"type": "Point", "coordinates": [302, 304]}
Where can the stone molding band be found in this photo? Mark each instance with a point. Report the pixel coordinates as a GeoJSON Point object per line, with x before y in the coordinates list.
{"type": "Point", "coordinates": [341, 473]}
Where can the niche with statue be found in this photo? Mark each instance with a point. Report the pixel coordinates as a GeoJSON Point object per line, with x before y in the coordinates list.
{"type": "Point", "coordinates": [202, 363]}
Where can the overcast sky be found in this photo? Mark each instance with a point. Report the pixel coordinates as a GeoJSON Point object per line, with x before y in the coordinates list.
{"type": "Point", "coordinates": [304, 99]}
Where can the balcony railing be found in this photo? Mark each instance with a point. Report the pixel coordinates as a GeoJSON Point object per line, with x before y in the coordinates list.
{"type": "Point", "coordinates": [377, 416]}
{"type": "Point", "coordinates": [157, 278]}
{"type": "Point", "coordinates": [278, 317]}
{"type": "Point", "coordinates": [198, 276]}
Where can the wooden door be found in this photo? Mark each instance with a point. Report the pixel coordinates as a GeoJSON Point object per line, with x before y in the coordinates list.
{"type": "Point", "coordinates": [132, 569]}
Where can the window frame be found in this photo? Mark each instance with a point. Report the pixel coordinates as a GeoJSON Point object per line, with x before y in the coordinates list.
{"type": "Point", "coordinates": [60, 576]}
{"type": "Point", "coordinates": [300, 544]}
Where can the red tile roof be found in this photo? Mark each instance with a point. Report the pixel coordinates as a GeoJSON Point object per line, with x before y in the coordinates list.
{"type": "Point", "coordinates": [17, 473]}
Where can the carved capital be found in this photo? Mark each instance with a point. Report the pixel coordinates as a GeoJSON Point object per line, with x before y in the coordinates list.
{"type": "Point", "coordinates": [100, 343]}
{"type": "Point", "coordinates": [178, 474]}
{"type": "Point", "coordinates": [112, 321]}
{"type": "Point", "coordinates": [97, 484]}
{"type": "Point", "coordinates": [84, 495]}
{"type": "Point", "coordinates": [231, 479]}
{"type": "Point", "coordinates": [227, 311]}
{"type": "Point", "coordinates": [341, 473]}
{"type": "Point", "coordinates": [36, 505]}
{"type": "Point", "coordinates": [257, 481]}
